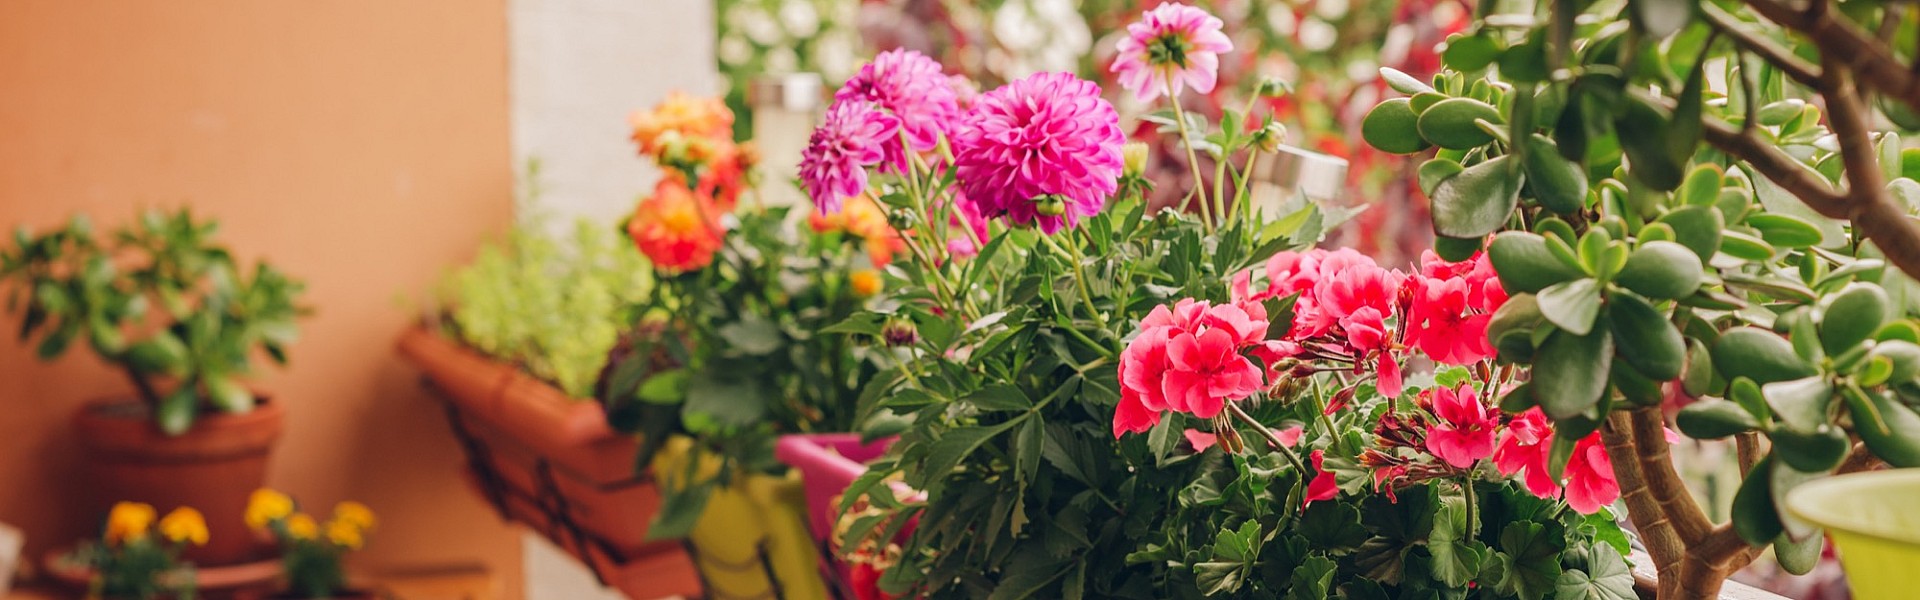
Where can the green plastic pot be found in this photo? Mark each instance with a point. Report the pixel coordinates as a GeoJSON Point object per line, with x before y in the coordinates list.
{"type": "Point", "coordinates": [1875, 525]}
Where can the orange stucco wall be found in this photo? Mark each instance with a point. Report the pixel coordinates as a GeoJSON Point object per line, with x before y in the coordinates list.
{"type": "Point", "coordinates": [359, 144]}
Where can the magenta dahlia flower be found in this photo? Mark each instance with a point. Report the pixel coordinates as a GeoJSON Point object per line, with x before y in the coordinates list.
{"type": "Point", "coordinates": [1042, 150]}
{"type": "Point", "coordinates": [1173, 44]}
{"type": "Point", "coordinates": [852, 138]}
{"type": "Point", "coordinates": [912, 87]}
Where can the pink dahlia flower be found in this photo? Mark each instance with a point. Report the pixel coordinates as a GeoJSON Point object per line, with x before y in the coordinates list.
{"type": "Point", "coordinates": [912, 87]}
{"type": "Point", "coordinates": [1047, 134]}
{"type": "Point", "coordinates": [1172, 45]}
{"type": "Point", "coordinates": [1464, 433]}
{"type": "Point", "coordinates": [834, 165]}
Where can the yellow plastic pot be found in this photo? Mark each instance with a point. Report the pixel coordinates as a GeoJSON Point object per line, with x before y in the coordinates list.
{"type": "Point", "coordinates": [753, 533]}
{"type": "Point", "coordinates": [1875, 525]}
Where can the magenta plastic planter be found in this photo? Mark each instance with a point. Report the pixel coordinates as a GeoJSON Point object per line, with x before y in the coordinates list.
{"type": "Point", "coordinates": [828, 463]}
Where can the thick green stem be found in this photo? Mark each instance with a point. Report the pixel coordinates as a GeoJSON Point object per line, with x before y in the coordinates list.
{"type": "Point", "coordinates": [1193, 158]}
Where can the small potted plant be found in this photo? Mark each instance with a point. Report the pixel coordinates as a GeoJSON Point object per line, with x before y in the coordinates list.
{"type": "Point", "coordinates": [136, 558]}
{"type": "Point", "coordinates": [162, 302]}
{"type": "Point", "coordinates": [312, 550]}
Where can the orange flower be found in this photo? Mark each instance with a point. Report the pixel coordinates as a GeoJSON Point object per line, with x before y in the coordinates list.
{"type": "Point", "coordinates": [184, 525]}
{"type": "Point", "coordinates": [681, 115]}
{"type": "Point", "coordinates": [675, 227]}
{"type": "Point", "coordinates": [129, 521]}
{"type": "Point", "coordinates": [726, 176]}
{"type": "Point", "coordinates": [864, 282]}
{"type": "Point", "coordinates": [865, 218]}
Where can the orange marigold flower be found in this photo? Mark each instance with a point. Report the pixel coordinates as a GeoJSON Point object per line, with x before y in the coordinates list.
{"type": "Point", "coordinates": [864, 282]}
{"type": "Point", "coordinates": [301, 526]}
{"type": "Point", "coordinates": [265, 506]}
{"type": "Point", "coordinates": [184, 525]}
{"type": "Point", "coordinates": [129, 521]}
{"type": "Point", "coordinates": [681, 115]}
{"type": "Point", "coordinates": [726, 176]}
{"type": "Point", "coordinates": [675, 227]}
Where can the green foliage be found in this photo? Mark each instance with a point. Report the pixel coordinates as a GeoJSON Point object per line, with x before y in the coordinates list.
{"type": "Point", "coordinates": [143, 568]}
{"type": "Point", "coordinates": [552, 306]}
{"type": "Point", "coordinates": [1640, 255]}
{"type": "Point", "coordinates": [159, 299]}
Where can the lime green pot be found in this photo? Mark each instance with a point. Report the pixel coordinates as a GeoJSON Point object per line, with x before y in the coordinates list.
{"type": "Point", "coordinates": [1874, 524]}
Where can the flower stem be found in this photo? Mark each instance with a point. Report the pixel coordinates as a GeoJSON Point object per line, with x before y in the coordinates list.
{"type": "Point", "coordinates": [1466, 489]}
{"type": "Point", "coordinates": [1193, 158]}
{"type": "Point", "coordinates": [1273, 439]}
{"type": "Point", "coordinates": [1079, 278]}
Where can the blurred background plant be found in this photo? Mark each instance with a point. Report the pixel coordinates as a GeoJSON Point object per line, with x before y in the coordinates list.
{"type": "Point", "coordinates": [311, 550]}
{"type": "Point", "coordinates": [196, 349]}
{"type": "Point", "coordinates": [137, 558]}
{"type": "Point", "coordinates": [553, 306]}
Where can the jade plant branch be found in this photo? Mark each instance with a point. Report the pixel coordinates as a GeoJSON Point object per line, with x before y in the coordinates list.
{"type": "Point", "coordinates": [1850, 59]}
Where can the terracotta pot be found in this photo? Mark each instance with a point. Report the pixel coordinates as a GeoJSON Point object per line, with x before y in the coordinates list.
{"type": "Point", "coordinates": [213, 467]}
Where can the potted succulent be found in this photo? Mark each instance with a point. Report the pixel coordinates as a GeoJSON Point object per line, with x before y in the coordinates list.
{"type": "Point", "coordinates": [311, 550]}
{"type": "Point", "coordinates": [170, 308]}
{"type": "Point", "coordinates": [1683, 226]}
{"type": "Point", "coordinates": [138, 559]}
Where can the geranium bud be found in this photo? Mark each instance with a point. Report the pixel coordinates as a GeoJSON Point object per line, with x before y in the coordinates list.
{"type": "Point", "coordinates": [1049, 205]}
{"type": "Point", "coordinates": [899, 332]}
{"type": "Point", "coordinates": [1133, 159]}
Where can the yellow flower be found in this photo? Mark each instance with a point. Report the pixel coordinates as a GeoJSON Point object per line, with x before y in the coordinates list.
{"type": "Point", "coordinates": [344, 534]}
{"type": "Point", "coordinates": [865, 282]}
{"type": "Point", "coordinates": [128, 521]}
{"type": "Point", "coordinates": [354, 514]}
{"type": "Point", "coordinates": [266, 506]}
{"type": "Point", "coordinates": [184, 525]}
{"type": "Point", "coordinates": [301, 526]}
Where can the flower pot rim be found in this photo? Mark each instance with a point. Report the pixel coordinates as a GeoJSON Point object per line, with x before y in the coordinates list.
{"type": "Point", "coordinates": [1814, 502]}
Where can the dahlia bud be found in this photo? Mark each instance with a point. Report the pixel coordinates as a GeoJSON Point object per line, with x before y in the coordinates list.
{"type": "Point", "coordinates": [1269, 136]}
{"type": "Point", "coordinates": [899, 332]}
{"type": "Point", "coordinates": [1133, 159]}
{"type": "Point", "coordinates": [1049, 205]}
{"type": "Point", "coordinates": [1274, 87]}
{"type": "Point", "coordinates": [900, 219]}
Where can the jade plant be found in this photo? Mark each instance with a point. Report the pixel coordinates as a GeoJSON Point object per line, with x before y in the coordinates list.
{"type": "Point", "coordinates": [1690, 209]}
{"type": "Point", "coordinates": [160, 300]}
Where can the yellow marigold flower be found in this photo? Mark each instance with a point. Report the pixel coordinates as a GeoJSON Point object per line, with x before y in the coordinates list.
{"type": "Point", "coordinates": [354, 514]}
{"type": "Point", "coordinates": [266, 506]}
{"type": "Point", "coordinates": [301, 526]}
{"type": "Point", "coordinates": [865, 282]}
{"type": "Point", "coordinates": [184, 525]}
{"type": "Point", "coordinates": [128, 521]}
{"type": "Point", "coordinates": [344, 534]}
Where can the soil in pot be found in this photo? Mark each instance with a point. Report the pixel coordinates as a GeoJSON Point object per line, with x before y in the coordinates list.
{"type": "Point", "coordinates": [212, 467]}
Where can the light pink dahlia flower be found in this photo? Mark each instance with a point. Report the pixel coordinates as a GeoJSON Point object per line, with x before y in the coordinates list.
{"type": "Point", "coordinates": [852, 138]}
{"type": "Point", "coordinates": [1173, 44]}
{"type": "Point", "coordinates": [1048, 135]}
{"type": "Point", "coordinates": [912, 87]}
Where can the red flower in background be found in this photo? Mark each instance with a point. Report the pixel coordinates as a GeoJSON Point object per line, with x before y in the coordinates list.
{"type": "Point", "coordinates": [676, 228]}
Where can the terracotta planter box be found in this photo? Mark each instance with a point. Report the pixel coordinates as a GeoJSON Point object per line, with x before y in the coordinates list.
{"type": "Point", "coordinates": [552, 463]}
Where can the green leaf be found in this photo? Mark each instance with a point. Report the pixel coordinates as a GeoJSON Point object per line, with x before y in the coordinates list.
{"type": "Point", "coordinates": [1450, 123]}
{"type": "Point", "coordinates": [752, 335]}
{"type": "Point", "coordinates": [1799, 558]}
{"type": "Point", "coordinates": [1664, 270]}
{"type": "Point", "coordinates": [1392, 127]}
{"type": "Point", "coordinates": [1852, 316]}
{"type": "Point", "coordinates": [176, 411]}
{"type": "Point", "coordinates": [1477, 201]}
{"type": "Point", "coordinates": [1710, 418]}
{"type": "Point", "coordinates": [1759, 355]}
{"type": "Point", "coordinates": [1644, 136]}
{"type": "Point", "coordinates": [1532, 559]}
{"type": "Point", "coordinates": [665, 387]}
{"type": "Point", "coordinates": [1887, 427]}
{"type": "Point", "coordinates": [1644, 337]}
{"type": "Point", "coordinates": [1470, 52]}
{"type": "Point", "coordinates": [1403, 83]}
{"type": "Point", "coordinates": [1436, 170]}
{"type": "Point", "coordinates": [1699, 228]}
{"type": "Point", "coordinates": [1754, 514]}
{"type": "Point", "coordinates": [999, 396]}
{"type": "Point", "coordinates": [1815, 450]}
{"type": "Point", "coordinates": [1605, 578]}
{"type": "Point", "coordinates": [163, 353]}
{"type": "Point", "coordinates": [954, 446]}
{"type": "Point", "coordinates": [867, 323]}
{"type": "Point", "coordinates": [1525, 264]}
{"type": "Point", "coordinates": [1557, 183]}
{"type": "Point", "coordinates": [726, 398]}
{"type": "Point", "coordinates": [1786, 231]}
{"type": "Point", "coordinates": [1572, 305]}
{"type": "Point", "coordinates": [226, 394]}
{"type": "Point", "coordinates": [1570, 372]}
{"type": "Point", "coordinates": [1331, 525]}
{"type": "Point", "coordinates": [1031, 443]}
